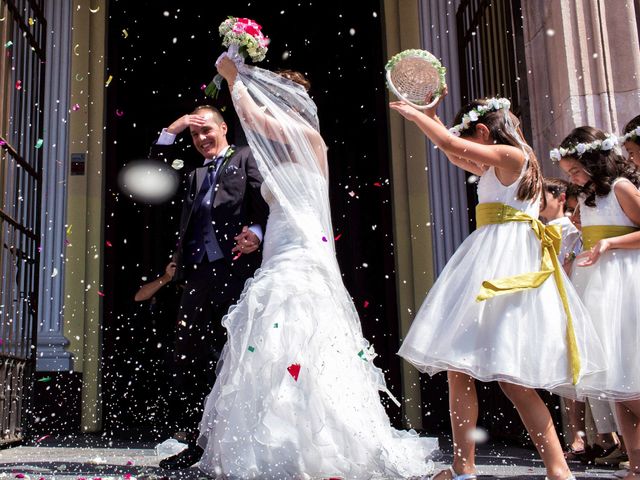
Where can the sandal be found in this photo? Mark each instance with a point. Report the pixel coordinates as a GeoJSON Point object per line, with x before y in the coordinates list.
{"type": "Point", "coordinates": [573, 455]}
{"type": "Point", "coordinates": [455, 476]}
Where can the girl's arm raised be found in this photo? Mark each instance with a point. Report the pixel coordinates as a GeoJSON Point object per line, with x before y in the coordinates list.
{"type": "Point", "coordinates": [504, 157]}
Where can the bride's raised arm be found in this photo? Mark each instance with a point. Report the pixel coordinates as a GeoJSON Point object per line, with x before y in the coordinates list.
{"type": "Point", "coordinates": [275, 123]}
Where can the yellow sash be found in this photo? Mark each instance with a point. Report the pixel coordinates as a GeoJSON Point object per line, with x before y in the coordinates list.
{"type": "Point", "coordinates": [593, 233]}
{"type": "Point", "coordinates": [550, 237]}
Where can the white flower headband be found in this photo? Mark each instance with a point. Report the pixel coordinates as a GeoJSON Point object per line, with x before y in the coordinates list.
{"type": "Point", "coordinates": [578, 150]}
{"type": "Point", "coordinates": [633, 135]}
{"type": "Point", "coordinates": [493, 104]}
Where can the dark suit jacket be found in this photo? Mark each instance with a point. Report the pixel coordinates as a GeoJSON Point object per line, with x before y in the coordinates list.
{"type": "Point", "coordinates": [237, 202]}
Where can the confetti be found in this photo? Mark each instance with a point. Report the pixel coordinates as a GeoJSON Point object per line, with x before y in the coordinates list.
{"type": "Point", "coordinates": [337, 237]}
{"type": "Point", "coordinates": [203, 86]}
{"type": "Point", "coordinates": [361, 355]}
{"type": "Point", "coordinates": [45, 379]}
{"type": "Point", "coordinates": [94, 10]}
{"type": "Point", "coordinates": [251, 349]}
{"type": "Point", "coordinates": [125, 34]}
{"type": "Point", "coordinates": [119, 113]}
{"type": "Point", "coordinates": [275, 325]}
{"type": "Point", "coordinates": [20, 475]}
{"type": "Point", "coordinates": [294, 370]}
{"type": "Point", "coordinates": [54, 273]}
{"type": "Point", "coordinates": [106, 84]}
{"type": "Point", "coordinates": [2, 143]}
{"type": "Point", "coordinates": [19, 85]}
{"type": "Point", "coordinates": [237, 256]}
{"type": "Point", "coordinates": [69, 229]}
{"type": "Point", "coordinates": [365, 304]}
{"type": "Point", "coordinates": [75, 107]}
{"type": "Point", "coordinates": [100, 293]}
{"type": "Point", "coordinates": [42, 438]}
{"type": "Point", "coordinates": [8, 44]}
{"type": "Point", "coordinates": [75, 50]}
{"type": "Point", "coordinates": [31, 22]}
{"type": "Point", "coordinates": [377, 184]}
{"type": "Point", "coordinates": [108, 243]}
{"type": "Point", "coordinates": [39, 143]}
{"type": "Point", "coordinates": [324, 239]}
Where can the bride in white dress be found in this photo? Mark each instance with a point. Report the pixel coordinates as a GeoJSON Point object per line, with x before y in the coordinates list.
{"type": "Point", "coordinates": [297, 393]}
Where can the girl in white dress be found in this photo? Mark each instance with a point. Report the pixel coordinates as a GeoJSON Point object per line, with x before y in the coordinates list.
{"type": "Point", "coordinates": [297, 394]}
{"type": "Point", "coordinates": [497, 311]}
{"type": "Point", "coordinates": [606, 274]}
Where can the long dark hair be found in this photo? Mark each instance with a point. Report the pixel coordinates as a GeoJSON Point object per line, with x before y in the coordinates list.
{"type": "Point", "coordinates": [495, 121]}
{"type": "Point", "coordinates": [602, 166]}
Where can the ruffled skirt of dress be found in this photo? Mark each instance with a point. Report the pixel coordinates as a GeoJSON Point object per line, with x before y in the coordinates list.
{"type": "Point", "coordinates": [611, 291]}
{"type": "Point", "coordinates": [266, 419]}
{"type": "Point", "coordinates": [519, 337]}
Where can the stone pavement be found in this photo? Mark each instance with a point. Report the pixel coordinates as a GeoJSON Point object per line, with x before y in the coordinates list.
{"type": "Point", "coordinates": [72, 460]}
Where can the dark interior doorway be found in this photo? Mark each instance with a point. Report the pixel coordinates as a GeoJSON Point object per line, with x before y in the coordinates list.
{"type": "Point", "coordinates": [160, 53]}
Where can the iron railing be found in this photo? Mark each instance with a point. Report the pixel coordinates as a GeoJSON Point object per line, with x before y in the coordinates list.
{"type": "Point", "coordinates": [22, 66]}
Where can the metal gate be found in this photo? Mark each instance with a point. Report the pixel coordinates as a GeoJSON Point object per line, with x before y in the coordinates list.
{"type": "Point", "coordinates": [22, 65]}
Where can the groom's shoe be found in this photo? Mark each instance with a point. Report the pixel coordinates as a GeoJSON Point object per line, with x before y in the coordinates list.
{"type": "Point", "coordinates": [184, 459]}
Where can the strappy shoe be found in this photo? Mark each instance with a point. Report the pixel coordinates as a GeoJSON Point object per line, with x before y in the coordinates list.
{"type": "Point", "coordinates": [455, 476]}
{"type": "Point", "coordinates": [572, 454]}
{"type": "Point", "coordinates": [570, 477]}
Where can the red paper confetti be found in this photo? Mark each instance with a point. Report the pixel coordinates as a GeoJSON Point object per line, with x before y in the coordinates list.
{"type": "Point", "coordinates": [365, 304]}
{"type": "Point", "coordinates": [2, 143]}
{"type": "Point", "coordinates": [20, 475]}
{"type": "Point", "coordinates": [294, 371]}
{"type": "Point", "coordinates": [42, 438]}
{"type": "Point", "coordinates": [108, 243]}
{"type": "Point", "coordinates": [130, 462]}
{"type": "Point", "coordinates": [75, 107]}
{"type": "Point", "coordinates": [337, 237]}
{"type": "Point", "coordinates": [377, 184]}
{"type": "Point", "coordinates": [237, 256]}
{"type": "Point", "coordinates": [203, 86]}
{"type": "Point", "coordinates": [101, 294]}
{"type": "Point", "coordinates": [127, 476]}
{"type": "Point", "coordinates": [19, 87]}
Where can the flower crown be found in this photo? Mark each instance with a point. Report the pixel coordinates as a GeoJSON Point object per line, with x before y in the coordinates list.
{"type": "Point", "coordinates": [633, 135]}
{"type": "Point", "coordinates": [493, 104]}
{"type": "Point", "coordinates": [578, 150]}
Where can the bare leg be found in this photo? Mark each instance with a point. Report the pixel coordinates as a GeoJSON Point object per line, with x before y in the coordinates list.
{"type": "Point", "coordinates": [629, 416]}
{"type": "Point", "coordinates": [463, 409]}
{"type": "Point", "coordinates": [575, 417]}
{"type": "Point", "coordinates": [537, 420]}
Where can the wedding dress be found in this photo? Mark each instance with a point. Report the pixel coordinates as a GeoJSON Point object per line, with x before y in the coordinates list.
{"type": "Point", "coordinates": [297, 393]}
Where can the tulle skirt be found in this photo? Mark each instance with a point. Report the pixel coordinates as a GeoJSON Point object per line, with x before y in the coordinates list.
{"type": "Point", "coordinates": [611, 291]}
{"type": "Point", "coordinates": [296, 395]}
{"type": "Point", "coordinates": [519, 337]}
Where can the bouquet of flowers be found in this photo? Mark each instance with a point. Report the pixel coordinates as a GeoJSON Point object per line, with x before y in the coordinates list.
{"type": "Point", "coordinates": [243, 38]}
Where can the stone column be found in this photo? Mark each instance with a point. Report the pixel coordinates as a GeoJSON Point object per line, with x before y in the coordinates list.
{"type": "Point", "coordinates": [583, 59]}
{"type": "Point", "coordinates": [447, 183]}
{"type": "Point", "coordinates": [51, 353]}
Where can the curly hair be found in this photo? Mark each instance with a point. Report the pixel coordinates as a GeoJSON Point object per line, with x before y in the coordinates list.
{"type": "Point", "coordinates": [602, 166]}
{"type": "Point", "coordinates": [531, 184]}
{"type": "Point", "coordinates": [632, 125]}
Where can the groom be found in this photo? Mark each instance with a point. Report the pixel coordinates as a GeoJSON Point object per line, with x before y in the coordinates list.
{"type": "Point", "coordinates": [221, 227]}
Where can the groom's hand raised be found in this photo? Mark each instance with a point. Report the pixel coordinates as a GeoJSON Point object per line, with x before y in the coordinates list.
{"type": "Point", "coordinates": [186, 121]}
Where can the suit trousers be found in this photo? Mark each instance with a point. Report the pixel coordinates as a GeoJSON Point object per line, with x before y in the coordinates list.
{"type": "Point", "coordinates": [210, 289]}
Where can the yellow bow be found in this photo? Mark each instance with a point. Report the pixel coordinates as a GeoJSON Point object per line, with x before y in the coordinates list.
{"type": "Point", "coordinates": [550, 237]}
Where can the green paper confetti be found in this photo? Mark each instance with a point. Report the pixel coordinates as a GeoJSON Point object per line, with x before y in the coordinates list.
{"type": "Point", "coordinates": [39, 143]}
{"type": "Point", "coordinates": [8, 44]}
{"type": "Point", "coordinates": [361, 355]}
{"type": "Point", "coordinates": [251, 349]}
{"type": "Point", "coordinates": [275, 325]}
{"type": "Point", "coordinates": [44, 379]}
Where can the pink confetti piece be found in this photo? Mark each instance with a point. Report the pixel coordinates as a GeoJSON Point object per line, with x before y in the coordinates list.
{"type": "Point", "coordinates": [2, 143]}
{"type": "Point", "coordinates": [130, 462]}
{"type": "Point", "coordinates": [42, 438]}
{"type": "Point", "coordinates": [20, 475]}
{"type": "Point", "coordinates": [19, 85]}
{"type": "Point", "coordinates": [237, 256]}
{"type": "Point", "coordinates": [294, 370]}
{"type": "Point", "coordinates": [75, 107]}
{"type": "Point", "coordinates": [127, 476]}
{"type": "Point", "coordinates": [365, 304]}
{"type": "Point", "coordinates": [119, 113]}
{"type": "Point", "coordinates": [337, 237]}
{"type": "Point", "coordinates": [203, 86]}
{"type": "Point", "coordinates": [377, 184]}
{"type": "Point", "coordinates": [100, 293]}
{"type": "Point", "coordinates": [67, 243]}
{"type": "Point", "coordinates": [108, 243]}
